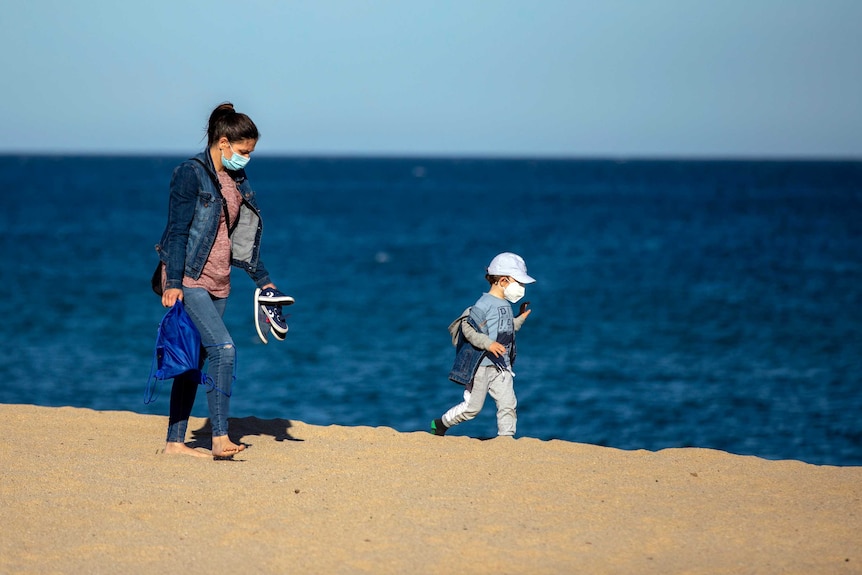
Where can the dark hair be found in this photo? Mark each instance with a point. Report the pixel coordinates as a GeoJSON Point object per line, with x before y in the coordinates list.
{"type": "Point", "coordinates": [493, 279]}
{"type": "Point", "coordinates": [227, 122]}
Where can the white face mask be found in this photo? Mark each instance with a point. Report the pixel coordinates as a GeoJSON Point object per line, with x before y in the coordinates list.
{"type": "Point", "coordinates": [513, 292]}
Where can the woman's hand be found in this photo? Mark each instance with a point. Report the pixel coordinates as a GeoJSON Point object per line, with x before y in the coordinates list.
{"type": "Point", "coordinates": [170, 297]}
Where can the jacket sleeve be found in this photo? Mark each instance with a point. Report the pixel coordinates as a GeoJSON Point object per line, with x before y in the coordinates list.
{"type": "Point", "coordinates": [455, 327]}
{"type": "Point", "coordinates": [519, 321]}
{"type": "Point", "coordinates": [181, 211]}
{"type": "Point", "coordinates": [474, 336]}
{"type": "Point", "coordinates": [260, 276]}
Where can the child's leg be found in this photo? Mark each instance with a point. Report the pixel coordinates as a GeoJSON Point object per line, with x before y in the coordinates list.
{"type": "Point", "coordinates": [473, 400]}
{"type": "Point", "coordinates": [502, 389]}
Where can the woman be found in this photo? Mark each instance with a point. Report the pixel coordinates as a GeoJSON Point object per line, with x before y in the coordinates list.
{"type": "Point", "coordinates": [213, 223]}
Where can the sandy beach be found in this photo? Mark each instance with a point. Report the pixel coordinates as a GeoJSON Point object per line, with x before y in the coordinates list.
{"type": "Point", "coordinates": [92, 492]}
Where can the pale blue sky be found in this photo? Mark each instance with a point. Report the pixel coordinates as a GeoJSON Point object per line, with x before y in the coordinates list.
{"type": "Point", "coordinates": [637, 78]}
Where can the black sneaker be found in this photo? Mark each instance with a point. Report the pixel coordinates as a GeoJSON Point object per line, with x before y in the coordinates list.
{"type": "Point", "coordinates": [276, 321]}
{"type": "Point", "coordinates": [267, 310]}
{"type": "Point", "coordinates": [437, 427]}
{"type": "Point", "coordinates": [271, 296]}
{"type": "Point", "coordinates": [276, 335]}
{"type": "Point", "coordinates": [261, 322]}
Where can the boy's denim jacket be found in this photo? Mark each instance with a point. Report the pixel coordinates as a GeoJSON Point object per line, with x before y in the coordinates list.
{"type": "Point", "coordinates": [471, 343]}
{"type": "Point", "coordinates": [194, 213]}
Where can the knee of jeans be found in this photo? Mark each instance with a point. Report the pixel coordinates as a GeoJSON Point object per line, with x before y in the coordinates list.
{"type": "Point", "coordinates": [223, 351]}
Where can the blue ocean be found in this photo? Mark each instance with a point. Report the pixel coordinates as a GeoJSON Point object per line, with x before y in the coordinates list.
{"type": "Point", "coordinates": [712, 304]}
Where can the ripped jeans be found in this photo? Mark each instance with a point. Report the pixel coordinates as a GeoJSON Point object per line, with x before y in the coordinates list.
{"type": "Point", "coordinates": [217, 346]}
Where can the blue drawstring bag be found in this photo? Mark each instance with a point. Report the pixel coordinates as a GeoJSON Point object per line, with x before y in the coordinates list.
{"type": "Point", "coordinates": [178, 350]}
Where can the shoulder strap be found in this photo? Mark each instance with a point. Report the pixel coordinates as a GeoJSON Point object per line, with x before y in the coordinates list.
{"type": "Point", "coordinates": [217, 184]}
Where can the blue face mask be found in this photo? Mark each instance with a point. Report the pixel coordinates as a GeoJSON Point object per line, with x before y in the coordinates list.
{"type": "Point", "coordinates": [236, 162]}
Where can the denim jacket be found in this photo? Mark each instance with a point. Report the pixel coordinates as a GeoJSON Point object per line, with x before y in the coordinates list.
{"type": "Point", "coordinates": [194, 213]}
{"type": "Point", "coordinates": [468, 356]}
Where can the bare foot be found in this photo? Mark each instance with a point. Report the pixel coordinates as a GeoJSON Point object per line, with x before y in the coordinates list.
{"type": "Point", "coordinates": [224, 447]}
{"type": "Point", "coordinates": [177, 448]}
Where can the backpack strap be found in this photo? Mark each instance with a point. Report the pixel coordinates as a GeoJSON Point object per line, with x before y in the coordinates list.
{"type": "Point", "coordinates": [209, 384]}
{"type": "Point", "coordinates": [151, 392]}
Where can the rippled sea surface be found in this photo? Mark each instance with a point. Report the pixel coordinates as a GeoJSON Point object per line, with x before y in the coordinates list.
{"type": "Point", "coordinates": [679, 303]}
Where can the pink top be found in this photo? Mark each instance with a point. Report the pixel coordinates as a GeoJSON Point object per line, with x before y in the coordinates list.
{"type": "Point", "coordinates": [215, 277]}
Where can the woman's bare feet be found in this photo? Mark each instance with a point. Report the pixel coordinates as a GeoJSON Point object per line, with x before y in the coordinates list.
{"type": "Point", "coordinates": [223, 447]}
{"type": "Point", "coordinates": [177, 448]}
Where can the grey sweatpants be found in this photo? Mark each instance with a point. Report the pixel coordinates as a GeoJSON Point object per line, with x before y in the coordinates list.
{"type": "Point", "coordinates": [501, 386]}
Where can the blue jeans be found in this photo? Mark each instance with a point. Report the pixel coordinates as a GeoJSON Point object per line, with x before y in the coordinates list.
{"type": "Point", "coordinates": [217, 346]}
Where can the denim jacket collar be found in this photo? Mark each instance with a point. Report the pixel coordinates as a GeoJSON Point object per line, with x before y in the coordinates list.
{"type": "Point", "coordinates": [194, 215]}
{"type": "Point", "coordinates": [238, 175]}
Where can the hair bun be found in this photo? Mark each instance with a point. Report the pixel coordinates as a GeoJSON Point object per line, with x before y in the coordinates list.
{"type": "Point", "coordinates": [226, 121]}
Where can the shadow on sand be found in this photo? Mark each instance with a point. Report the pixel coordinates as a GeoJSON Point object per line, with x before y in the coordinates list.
{"type": "Point", "coordinates": [241, 428]}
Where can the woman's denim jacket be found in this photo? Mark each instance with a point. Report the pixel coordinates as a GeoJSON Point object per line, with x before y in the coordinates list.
{"type": "Point", "coordinates": [194, 213]}
{"type": "Point", "coordinates": [469, 355]}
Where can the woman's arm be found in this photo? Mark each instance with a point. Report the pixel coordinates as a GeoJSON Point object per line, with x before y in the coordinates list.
{"type": "Point", "coordinates": [181, 211]}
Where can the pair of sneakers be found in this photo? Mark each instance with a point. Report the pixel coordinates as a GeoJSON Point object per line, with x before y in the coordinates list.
{"type": "Point", "coordinates": [267, 311]}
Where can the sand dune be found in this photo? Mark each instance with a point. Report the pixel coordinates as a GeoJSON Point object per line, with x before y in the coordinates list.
{"type": "Point", "coordinates": [90, 492]}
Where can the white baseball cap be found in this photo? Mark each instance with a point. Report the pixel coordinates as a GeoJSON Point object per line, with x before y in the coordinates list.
{"type": "Point", "coordinates": [512, 265]}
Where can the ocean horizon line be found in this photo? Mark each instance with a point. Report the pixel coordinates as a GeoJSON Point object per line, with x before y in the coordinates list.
{"type": "Point", "coordinates": [485, 157]}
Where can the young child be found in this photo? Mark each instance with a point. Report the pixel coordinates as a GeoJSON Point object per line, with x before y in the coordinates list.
{"type": "Point", "coordinates": [484, 338]}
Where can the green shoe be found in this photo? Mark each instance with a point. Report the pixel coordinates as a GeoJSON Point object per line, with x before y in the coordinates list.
{"type": "Point", "coordinates": [437, 427]}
